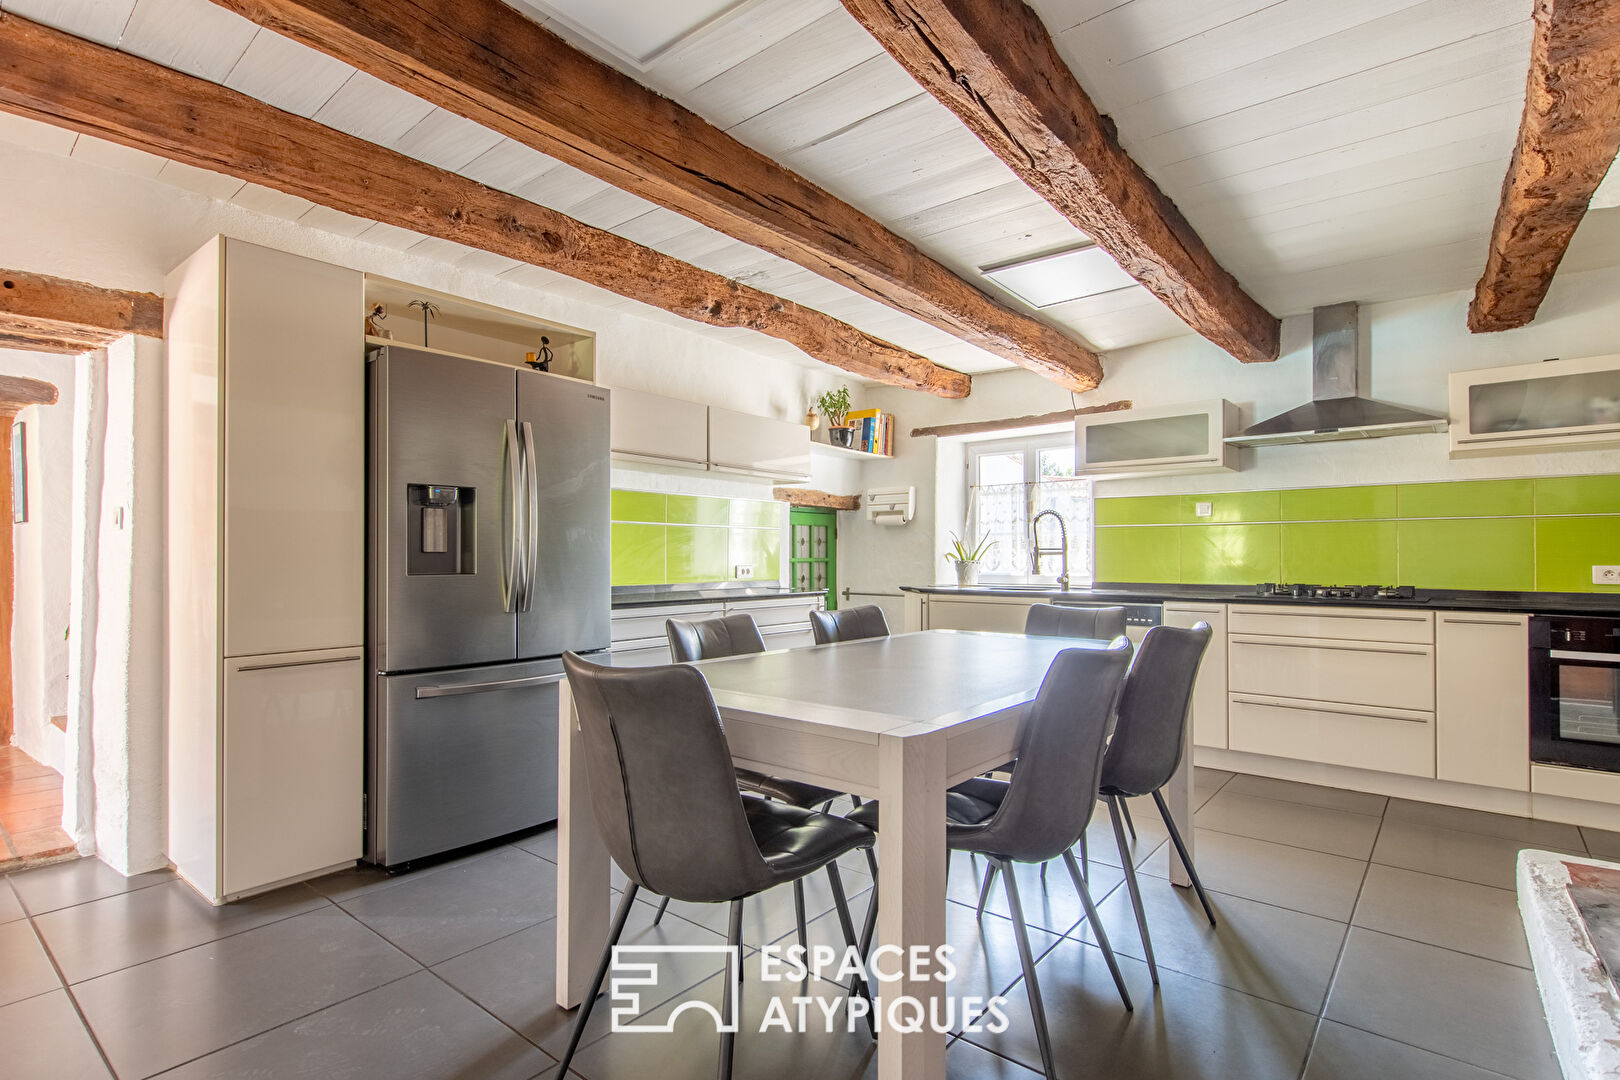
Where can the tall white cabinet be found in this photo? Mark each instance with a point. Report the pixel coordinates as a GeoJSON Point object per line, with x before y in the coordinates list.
{"type": "Point", "coordinates": [266, 567]}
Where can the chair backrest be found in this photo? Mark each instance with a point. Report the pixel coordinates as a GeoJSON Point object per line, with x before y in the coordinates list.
{"type": "Point", "coordinates": [1150, 736]}
{"type": "Point", "coordinates": [705, 639]}
{"type": "Point", "coordinates": [848, 624]}
{"type": "Point", "coordinates": [661, 781]}
{"type": "Point", "coordinates": [1060, 754]}
{"type": "Point", "coordinates": [1051, 620]}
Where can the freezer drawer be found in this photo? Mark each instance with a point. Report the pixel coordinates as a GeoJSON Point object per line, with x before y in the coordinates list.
{"type": "Point", "coordinates": [457, 757]}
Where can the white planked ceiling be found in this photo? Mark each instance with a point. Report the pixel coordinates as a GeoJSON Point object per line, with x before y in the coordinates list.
{"type": "Point", "coordinates": [1326, 151]}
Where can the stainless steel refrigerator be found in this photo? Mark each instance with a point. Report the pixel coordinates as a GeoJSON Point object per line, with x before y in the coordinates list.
{"type": "Point", "coordinates": [489, 557]}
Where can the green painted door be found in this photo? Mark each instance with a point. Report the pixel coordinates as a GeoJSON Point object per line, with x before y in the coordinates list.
{"type": "Point", "coordinates": [813, 562]}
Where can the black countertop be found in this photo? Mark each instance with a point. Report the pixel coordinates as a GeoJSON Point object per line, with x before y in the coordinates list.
{"type": "Point", "coordinates": [632, 596]}
{"type": "Point", "coordinates": [1431, 599]}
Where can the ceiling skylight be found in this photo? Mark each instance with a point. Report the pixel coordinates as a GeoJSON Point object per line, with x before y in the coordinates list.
{"type": "Point", "coordinates": [1056, 279]}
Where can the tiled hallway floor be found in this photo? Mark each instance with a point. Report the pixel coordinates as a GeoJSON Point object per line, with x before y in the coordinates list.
{"type": "Point", "coordinates": [30, 812]}
{"type": "Point", "coordinates": [1359, 937]}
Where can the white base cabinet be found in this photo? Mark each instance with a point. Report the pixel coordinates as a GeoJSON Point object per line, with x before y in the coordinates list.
{"type": "Point", "coordinates": [1482, 699]}
{"type": "Point", "coordinates": [639, 638]}
{"type": "Point", "coordinates": [1209, 692]}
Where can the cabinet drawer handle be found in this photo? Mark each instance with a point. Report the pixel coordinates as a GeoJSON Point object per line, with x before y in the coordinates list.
{"type": "Point", "coordinates": [1418, 651]}
{"type": "Point", "coordinates": [1335, 615]}
{"type": "Point", "coordinates": [1479, 622]}
{"type": "Point", "coordinates": [1364, 714]}
{"type": "Point", "coordinates": [300, 663]}
{"type": "Point", "coordinates": [486, 687]}
{"type": "Point", "coordinates": [1198, 610]}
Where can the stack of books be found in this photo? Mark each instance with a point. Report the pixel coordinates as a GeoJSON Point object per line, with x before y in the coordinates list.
{"type": "Point", "coordinates": [874, 431]}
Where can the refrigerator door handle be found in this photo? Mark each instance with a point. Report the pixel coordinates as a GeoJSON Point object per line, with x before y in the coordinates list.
{"type": "Point", "coordinates": [486, 687]}
{"type": "Point", "coordinates": [512, 581]}
{"type": "Point", "coordinates": [531, 517]}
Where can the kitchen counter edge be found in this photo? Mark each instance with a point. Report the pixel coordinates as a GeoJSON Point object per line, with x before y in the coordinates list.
{"type": "Point", "coordinates": [1429, 600]}
{"type": "Point", "coordinates": [655, 598]}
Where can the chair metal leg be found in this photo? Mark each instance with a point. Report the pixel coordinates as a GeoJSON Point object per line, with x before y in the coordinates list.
{"type": "Point", "coordinates": [1085, 856]}
{"type": "Point", "coordinates": [798, 909]}
{"type": "Point", "coordinates": [1031, 985]}
{"type": "Point", "coordinates": [992, 868]}
{"type": "Point", "coordinates": [1181, 849]}
{"type": "Point", "coordinates": [1043, 875]}
{"type": "Point", "coordinates": [1124, 808]}
{"type": "Point", "coordinates": [1128, 860]}
{"type": "Point", "coordinates": [662, 906]}
{"type": "Point", "coordinates": [619, 917]}
{"type": "Point", "coordinates": [845, 923]}
{"type": "Point", "coordinates": [871, 862]}
{"type": "Point", "coordinates": [728, 1039]}
{"type": "Point", "coordinates": [1097, 928]}
{"type": "Point", "coordinates": [869, 930]}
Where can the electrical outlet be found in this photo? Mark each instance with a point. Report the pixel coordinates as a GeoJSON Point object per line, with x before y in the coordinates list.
{"type": "Point", "coordinates": [1606, 575]}
{"type": "Point", "coordinates": [1204, 509]}
{"type": "Point", "coordinates": [742, 571]}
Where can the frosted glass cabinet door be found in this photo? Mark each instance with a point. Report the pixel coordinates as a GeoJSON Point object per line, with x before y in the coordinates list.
{"type": "Point", "coordinates": [294, 442]}
{"type": "Point", "coordinates": [293, 768]}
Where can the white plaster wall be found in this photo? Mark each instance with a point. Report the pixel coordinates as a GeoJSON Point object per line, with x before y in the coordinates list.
{"type": "Point", "coordinates": [89, 436]}
{"type": "Point", "coordinates": [1412, 344]}
{"type": "Point", "coordinates": [39, 644]}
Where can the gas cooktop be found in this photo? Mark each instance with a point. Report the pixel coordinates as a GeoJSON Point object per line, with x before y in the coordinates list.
{"type": "Point", "coordinates": [1336, 592]}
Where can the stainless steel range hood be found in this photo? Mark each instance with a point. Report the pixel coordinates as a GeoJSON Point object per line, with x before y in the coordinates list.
{"type": "Point", "coordinates": [1336, 410]}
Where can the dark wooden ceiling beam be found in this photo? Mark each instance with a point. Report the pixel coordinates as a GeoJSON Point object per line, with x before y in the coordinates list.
{"type": "Point", "coordinates": [1568, 137]}
{"type": "Point", "coordinates": [60, 79]}
{"type": "Point", "coordinates": [42, 313]}
{"type": "Point", "coordinates": [993, 64]}
{"type": "Point", "coordinates": [17, 391]}
{"type": "Point", "coordinates": [483, 60]}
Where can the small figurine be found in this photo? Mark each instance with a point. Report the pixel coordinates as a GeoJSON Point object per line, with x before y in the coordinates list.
{"type": "Point", "coordinates": [373, 320]}
{"type": "Point", "coordinates": [540, 361]}
{"type": "Point", "coordinates": [428, 308]}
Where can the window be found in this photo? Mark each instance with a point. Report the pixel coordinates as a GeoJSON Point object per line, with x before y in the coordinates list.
{"type": "Point", "coordinates": [1011, 481]}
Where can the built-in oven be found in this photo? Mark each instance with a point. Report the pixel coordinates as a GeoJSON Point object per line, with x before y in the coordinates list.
{"type": "Point", "coordinates": [1575, 691]}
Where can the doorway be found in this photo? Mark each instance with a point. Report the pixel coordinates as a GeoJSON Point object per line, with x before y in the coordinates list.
{"type": "Point", "coordinates": [813, 563]}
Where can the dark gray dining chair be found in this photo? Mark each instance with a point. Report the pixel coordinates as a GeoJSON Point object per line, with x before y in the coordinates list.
{"type": "Point", "coordinates": [666, 802]}
{"type": "Point", "coordinates": [848, 624]}
{"type": "Point", "coordinates": [738, 635]}
{"type": "Point", "coordinates": [1043, 810]}
{"type": "Point", "coordinates": [1054, 620]}
{"type": "Point", "coordinates": [1149, 740]}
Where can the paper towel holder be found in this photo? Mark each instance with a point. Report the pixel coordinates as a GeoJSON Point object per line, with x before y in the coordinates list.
{"type": "Point", "coordinates": [891, 506]}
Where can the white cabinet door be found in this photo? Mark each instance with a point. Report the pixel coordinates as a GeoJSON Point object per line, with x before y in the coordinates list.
{"type": "Point", "coordinates": [293, 767]}
{"type": "Point", "coordinates": [1382, 674]}
{"type": "Point", "coordinates": [1209, 692]}
{"type": "Point", "coordinates": [758, 445]}
{"type": "Point", "coordinates": [1171, 439]}
{"type": "Point", "coordinates": [1000, 616]}
{"type": "Point", "coordinates": [1533, 408]}
{"type": "Point", "coordinates": [294, 492]}
{"type": "Point", "coordinates": [1482, 699]}
{"type": "Point", "coordinates": [646, 427]}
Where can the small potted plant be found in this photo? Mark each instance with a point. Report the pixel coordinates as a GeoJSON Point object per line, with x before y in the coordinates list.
{"type": "Point", "coordinates": [967, 558]}
{"type": "Point", "coordinates": [834, 406]}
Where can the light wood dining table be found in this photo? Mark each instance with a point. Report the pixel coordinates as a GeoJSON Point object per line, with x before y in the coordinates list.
{"type": "Point", "coordinates": [899, 719]}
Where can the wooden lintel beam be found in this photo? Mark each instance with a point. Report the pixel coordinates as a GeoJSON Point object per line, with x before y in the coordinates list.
{"type": "Point", "coordinates": [75, 308]}
{"type": "Point", "coordinates": [488, 62]}
{"type": "Point", "coordinates": [43, 335]}
{"type": "Point", "coordinates": [993, 64]}
{"type": "Point", "coordinates": [979, 427]}
{"type": "Point", "coordinates": [63, 80]}
{"type": "Point", "coordinates": [816, 499]}
{"type": "Point", "coordinates": [17, 391]}
{"type": "Point", "coordinates": [1568, 137]}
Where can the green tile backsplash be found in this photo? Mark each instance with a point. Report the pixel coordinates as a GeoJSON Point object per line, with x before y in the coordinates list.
{"type": "Point", "coordinates": [1539, 535]}
{"type": "Point", "coordinates": [663, 539]}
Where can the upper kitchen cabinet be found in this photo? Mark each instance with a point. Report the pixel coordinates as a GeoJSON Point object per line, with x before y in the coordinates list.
{"type": "Point", "coordinates": [1187, 438]}
{"type": "Point", "coordinates": [1531, 408]}
{"type": "Point", "coordinates": [659, 430]}
{"type": "Point", "coordinates": [758, 446]}
{"type": "Point", "coordinates": [463, 327]}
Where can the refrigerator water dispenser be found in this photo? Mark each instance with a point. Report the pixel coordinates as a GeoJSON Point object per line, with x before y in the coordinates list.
{"type": "Point", "coordinates": [440, 526]}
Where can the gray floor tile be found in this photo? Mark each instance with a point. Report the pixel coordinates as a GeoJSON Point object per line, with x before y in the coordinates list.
{"type": "Point", "coordinates": [350, 883]}
{"type": "Point", "coordinates": [61, 885]}
{"type": "Point", "coordinates": [1554, 835]}
{"type": "Point", "coordinates": [1296, 824]}
{"type": "Point", "coordinates": [168, 1011]}
{"type": "Point", "coordinates": [446, 912]}
{"type": "Point", "coordinates": [1052, 905]}
{"type": "Point", "coordinates": [1475, 1010]}
{"type": "Point", "coordinates": [25, 969]}
{"type": "Point", "coordinates": [42, 1038]}
{"type": "Point", "coordinates": [1270, 952]}
{"type": "Point", "coordinates": [1347, 1053]}
{"type": "Point", "coordinates": [11, 908]}
{"type": "Point", "coordinates": [1192, 1030]}
{"type": "Point", "coordinates": [514, 978]}
{"type": "Point", "coordinates": [1103, 845]}
{"type": "Point", "coordinates": [1310, 881]}
{"type": "Point", "coordinates": [130, 928]}
{"type": "Point", "coordinates": [771, 915]}
{"type": "Point", "coordinates": [1353, 802]}
{"type": "Point", "coordinates": [1441, 911]}
{"type": "Point", "coordinates": [542, 843]}
{"type": "Point", "coordinates": [417, 1027]}
{"type": "Point", "coordinates": [1602, 843]}
{"type": "Point", "coordinates": [1206, 782]}
{"type": "Point", "coordinates": [967, 1061]}
{"type": "Point", "coordinates": [1467, 856]}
